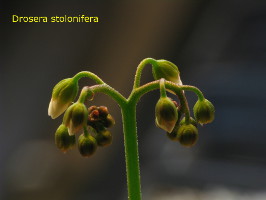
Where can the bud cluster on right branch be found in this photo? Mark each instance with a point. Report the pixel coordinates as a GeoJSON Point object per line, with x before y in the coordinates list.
{"type": "Point", "coordinates": [168, 113]}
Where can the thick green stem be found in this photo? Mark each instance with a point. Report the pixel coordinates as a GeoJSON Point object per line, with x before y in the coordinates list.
{"type": "Point", "coordinates": [128, 107]}
{"type": "Point", "coordinates": [131, 151]}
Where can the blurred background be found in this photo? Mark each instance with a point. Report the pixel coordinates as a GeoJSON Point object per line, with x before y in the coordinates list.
{"type": "Point", "coordinates": [219, 46]}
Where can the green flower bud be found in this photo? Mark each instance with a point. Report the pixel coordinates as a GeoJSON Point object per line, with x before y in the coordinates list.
{"type": "Point", "coordinates": [173, 134]}
{"type": "Point", "coordinates": [104, 138]}
{"type": "Point", "coordinates": [187, 135]}
{"type": "Point", "coordinates": [63, 140]}
{"type": "Point", "coordinates": [63, 94]}
{"type": "Point", "coordinates": [166, 114]}
{"type": "Point", "coordinates": [75, 117]}
{"type": "Point", "coordinates": [167, 70]}
{"type": "Point", "coordinates": [87, 145]}
{"type": "Point", "coordinates": [191, 121]}
{"type": "Point", "coordinates": [204, 111]}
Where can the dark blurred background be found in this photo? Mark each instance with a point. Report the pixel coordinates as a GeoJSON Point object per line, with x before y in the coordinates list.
{"type": "Point", "coordinates": [219, 46]}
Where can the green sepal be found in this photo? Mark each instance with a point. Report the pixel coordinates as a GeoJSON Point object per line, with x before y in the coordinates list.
{"type": "Point", "coordinates": [187, 135]}
{"type": "Point", "coordinates": [167, 70]}
{"type": "Point", "coordinates": [63, 140]}
{"type": "Point", "coordinates": [204, 111]}
{"type": "Point", "coordinates": [87, 145]}
{"type": "Point", "coordinates": [166, 114]}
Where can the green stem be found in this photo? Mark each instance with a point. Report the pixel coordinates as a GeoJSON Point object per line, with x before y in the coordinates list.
{"type": "Point", "coordinates": [137, 93]}
{"type": "Point", "coordinates": [85, 93]}
{"type": "Point", "coordinates": [128, 109]}
{"type": "Point", "coordinates": [193, 89]}
{"type": "Point", "coordinates": [140, 67]}
{"type": "Point", "coordinates": [131, 151]}
{"type": "Point", "coordinates": [89, 75]}
{"type": "Point", "coordinates": [184, 105]}
{"type": "Point", "coordinates": [106, 89]}
{"type": "Point", "coordinates": [162, 88]}
{"type": "Point", "coordinates": [86, 132]}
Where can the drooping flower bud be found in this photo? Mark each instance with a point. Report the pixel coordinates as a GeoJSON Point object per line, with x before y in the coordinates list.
{"type": "Point", "coordinates": [204, 111]}
{"type": "Point", "coordinates": [166, 114]}
{"type": "Point", "coordinates": [63, 140]}
{"type": "Point", "coordinates": [191, 121]}
{"type": "Point", "coordinates": [63, 94]}
{"type": "Point", "coordinates": [173, 135]}
{"type": "Point", "coordinates": [167, 70]}
{"type": "Point", "coordinates": [75, 117]}
{"type": "Point", "coordinates": [187, 135]}
{"type": "Point", "coordinates": [104, 138]}
{"type": "Point", "coordinates": [87, 145]}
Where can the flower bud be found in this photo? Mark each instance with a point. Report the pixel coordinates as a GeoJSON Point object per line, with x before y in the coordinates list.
{"type": "Point", "coordinates": [191, 121]}
{"type": "Point", "coordinates": [87, 145]}
{"type": "Point", "coordinates": [167, 70]}
{"type": "Point", "coordinates": [104, 138]}
{"type": "Point", "coordinates": [187, 135]}
{"type": "Point", "coordinates": [166, 114]}
{"type": "Point", "coordinates": [75, 117]}
{"type": "Point", "coordinates": [63, 94]}
{"type": "Point", "coordinates": [99, 118]}
{"type": "Point", "coordinates": [103, 111]}
{"type": "Point", "coordinates": [63, 140]}
{"type": "Point", "coordinates": [204, 111]}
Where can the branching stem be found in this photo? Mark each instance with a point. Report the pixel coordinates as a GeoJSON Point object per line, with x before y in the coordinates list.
{"type": "Point", "coordinates": [128, 110]}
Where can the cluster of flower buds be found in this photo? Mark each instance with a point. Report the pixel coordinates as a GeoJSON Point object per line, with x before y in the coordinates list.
{"type": "Point", "coordinates": [168, 113]}
{"type": "Point", "coordinates": [94, 121]}
{"type": "Point", "coordinates": [182, 130]}
{"type": "Point", "coordinates": [100, 120]}
{"type": "Point", "coordinates": [97, 120]}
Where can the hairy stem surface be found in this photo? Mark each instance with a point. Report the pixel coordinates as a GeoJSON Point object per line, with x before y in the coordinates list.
{"type": "Point", "coordinates": [131, 151]}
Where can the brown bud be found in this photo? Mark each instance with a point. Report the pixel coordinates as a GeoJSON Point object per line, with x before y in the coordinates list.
{"type": "Point", "coordinates": [103, 111]}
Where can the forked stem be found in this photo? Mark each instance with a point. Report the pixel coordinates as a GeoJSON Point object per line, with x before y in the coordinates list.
{"type": "Point", "coordinates": [128, 110]}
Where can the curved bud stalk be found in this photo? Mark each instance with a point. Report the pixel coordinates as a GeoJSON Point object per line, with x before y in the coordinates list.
{"type": "Point", "coordinates": [63, 94]}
